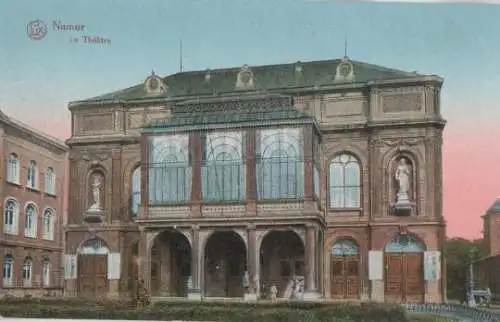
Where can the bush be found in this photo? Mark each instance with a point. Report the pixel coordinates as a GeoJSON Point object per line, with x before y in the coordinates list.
{"type": "Point", "coordinates": [211, 311]}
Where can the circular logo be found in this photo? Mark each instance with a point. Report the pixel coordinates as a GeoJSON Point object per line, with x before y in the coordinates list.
{"type": "Point", "coordinates": [36, 30]}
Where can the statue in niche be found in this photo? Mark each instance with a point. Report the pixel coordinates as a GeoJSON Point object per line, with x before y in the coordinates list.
{"type": "Point", "coordinates": [96, 193]}
{"type": "Point", "coordinates": [402, 175]}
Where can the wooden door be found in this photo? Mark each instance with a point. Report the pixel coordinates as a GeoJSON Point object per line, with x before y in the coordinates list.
{"type": "Point", "coordinates": [414, 277]}
{"type": "Point", "coordinates": [92, 275]}
{"type": "Point", "coordinates": [404, 277]}
{"type": "Point", "coordinates": [344, 274]}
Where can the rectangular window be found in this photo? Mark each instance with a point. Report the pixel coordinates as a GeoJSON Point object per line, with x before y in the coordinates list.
{"type": "Point", "coordinates": [169, 170]}
{"type": "Point", "coordinates": [46, 273]}
{"type": "Point", "coordinates": [13, 169]}
{"type": "Point", "coordinates": [223, 171]}
{"type": "Point", "coordinates": [280, 166]}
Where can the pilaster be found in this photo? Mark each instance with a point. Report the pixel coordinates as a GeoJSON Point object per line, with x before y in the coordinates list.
{"type": "Point", "coordinates": [144, 176]}
{"type": "Point", "coordinates": [195, 163]}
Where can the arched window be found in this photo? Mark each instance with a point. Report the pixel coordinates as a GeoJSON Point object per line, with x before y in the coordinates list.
{"type": "Point", "coordinates": [169, 170]}
{"type": "Point", "coordinates": [344, 183]}
{"type": "Point", "coordinates": [405, 244]}
{"type": "Point", "coordinates": [31, 221]}
{"type": "Point", "coordinates": [50, 181]}
{"type": "Point", "coordinates": [280, 168]}
{"type": "Point", "coordinates": [48, 224]}
{"type": "Point", "coordinates": [10, 217]}
{"type": "Point", "coordinates": [136, 191]}
{"type": "Point", "coordinates": [223, 170]}
{"type": "Point", "coordinates": [46, 272]}
{"type": "Point", "coordinates": [94, 246]}
{"type": "Point", "coordinates": [27, 271]}
{"type": "Point", "coordinates": [13, 169]}
{"type": "Point", "coordinates": [345, 247]}
{"type": "Point", "coordinates": [8, 270]}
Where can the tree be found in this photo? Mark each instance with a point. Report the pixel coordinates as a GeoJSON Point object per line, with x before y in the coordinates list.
{"type": "Point", "coordinates": [457, 252]}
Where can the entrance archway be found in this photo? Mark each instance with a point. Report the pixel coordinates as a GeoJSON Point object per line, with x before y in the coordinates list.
{"type": "Point", "coordinates": [93, 268]}
{"type": "Point", "coordinates": [281, 260]}
{"type": "Point", "coordinates": [225, 265]}
{"type": "Point", "coordinates": [404, 274]}
{"type": "Point", "coordinates": [170, 264]}
{"type": "Point", "coordinates": [344, 269]}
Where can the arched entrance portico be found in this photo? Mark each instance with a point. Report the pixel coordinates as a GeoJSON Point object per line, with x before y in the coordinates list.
{"type": "Point", "coordinates": [225, 265]}
{"type": "Point", "coordinates": [404, 274]}
{"type": "Point", "coordinates": [281, 259]}
{"type": "Point", "coordinates": [93, 268]}
{"type": "Point", "coordinates": [344, 269]}
{"type": "Point", "coordinates": [170, 264]}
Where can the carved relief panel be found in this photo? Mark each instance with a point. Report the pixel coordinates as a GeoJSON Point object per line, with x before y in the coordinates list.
{"type": "Point", "coordinates": [88, 124]}
{"type": "Point", "coordinates": [397, 103]}
{"type": "Point", "coordinates": [343, 107]}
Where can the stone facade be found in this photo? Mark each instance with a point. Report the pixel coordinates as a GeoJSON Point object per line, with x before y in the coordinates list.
{"type": "Point", "coordinates": [32, 248]}
{"type": "Point", "coordinates": [376, 122]}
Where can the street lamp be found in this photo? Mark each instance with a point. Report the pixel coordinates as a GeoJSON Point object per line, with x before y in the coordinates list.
{"type": "Point", "coordinates": [472, 301]}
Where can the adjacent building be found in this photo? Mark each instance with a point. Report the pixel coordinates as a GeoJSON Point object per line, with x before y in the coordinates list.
{"type": "Point", "coordinates": [310, 179]}
{"type": "Point", "coordinates": [487, 269]}
{"type": "Point", "coordinates": [33, 168]}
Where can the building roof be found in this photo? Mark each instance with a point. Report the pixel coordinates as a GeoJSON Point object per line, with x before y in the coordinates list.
{"type": "Point", "coordinates": [495, 207]}
{"type": "Point", "coordinates": [25, 128]}
{"type": "Point", "coordinates": [267, 77]}
{"type": "Point", "coordinates": [231, 114]}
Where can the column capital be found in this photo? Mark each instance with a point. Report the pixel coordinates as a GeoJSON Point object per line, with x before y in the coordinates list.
{"type": "Point", "coordinates": [311, 226]}
{"type": "Point", "coordinates": [251, 226]}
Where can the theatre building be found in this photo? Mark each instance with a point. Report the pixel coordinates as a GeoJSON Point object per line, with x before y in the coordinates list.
{"type": "Point", "coordinates": [305, 180]}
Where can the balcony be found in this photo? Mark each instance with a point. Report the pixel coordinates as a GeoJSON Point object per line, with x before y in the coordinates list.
{"type": "Point", "coordinates": [268, 163]}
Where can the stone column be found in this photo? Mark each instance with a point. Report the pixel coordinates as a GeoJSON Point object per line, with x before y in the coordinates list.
{"type": "Point", "coordinates": [144, 260]}
{"type": "Point", "coordinates": [311, 291]}
{"type": "Point", "coordinates": [252, 265]}
{"type": "Point", "coordinates": [194, 281]}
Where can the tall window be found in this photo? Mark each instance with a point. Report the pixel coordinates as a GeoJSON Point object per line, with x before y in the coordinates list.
{"type": "Point", "coordinates": [48, 225]}
{"type": "Point", "coordinates": [10, 217]}
{"type": "Point", "coordinates": [169, 170]}
{"type": "Point", "coordinates": [280, 168]}
{"type": "Point", "coordinates": [136, 191]}
{"type": "Point", "coordinates": [27, 271]}
{"type": "Point", "coordinates": [30, 222]}
{"type": "Point", "coordinates": [223, 173]}
{"type": "Point", "coordinates": [344, 184]}
{"type": "Point", "coordinates": [32, 172]}
{"type": "Point", "coordinates": [13, 169]}
{"type": "Point", "coordinates": [46, 272]}
{"type": "Point", "coordinates": [50, 181]}
{"type": "Point", "coordinates": [8, 270]}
